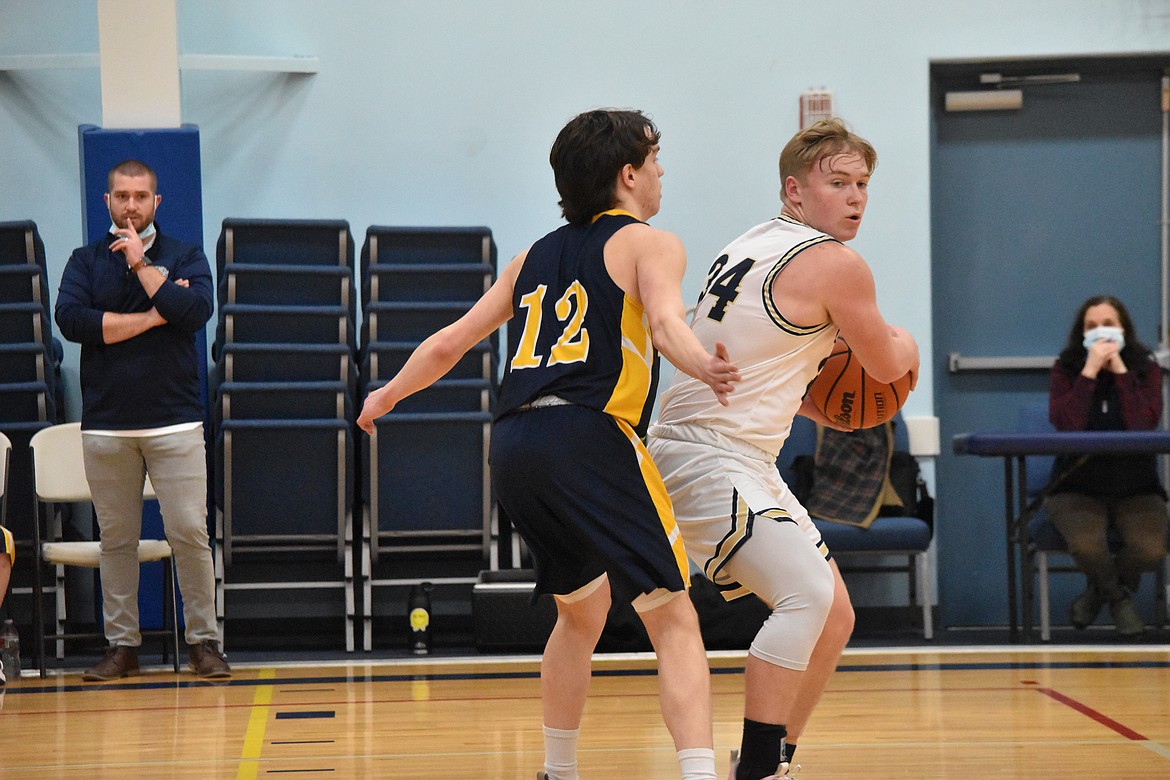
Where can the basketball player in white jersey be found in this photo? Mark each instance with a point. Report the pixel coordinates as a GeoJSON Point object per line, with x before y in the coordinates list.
{"type": "Point", "coordinates": [777, 297]}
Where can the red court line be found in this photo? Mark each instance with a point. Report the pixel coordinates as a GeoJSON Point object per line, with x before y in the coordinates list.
{"type": "Point", "coordinates": [1089, 712]}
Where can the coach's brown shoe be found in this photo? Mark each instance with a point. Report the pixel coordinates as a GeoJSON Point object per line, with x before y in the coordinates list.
{"type": "Point", "coordinates": [120, 661]}
{"type": "Point", "coordinates": [207, 661]}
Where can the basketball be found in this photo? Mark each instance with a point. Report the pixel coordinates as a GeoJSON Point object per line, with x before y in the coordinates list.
{"type": "Point", "coordinates": [844, 393]}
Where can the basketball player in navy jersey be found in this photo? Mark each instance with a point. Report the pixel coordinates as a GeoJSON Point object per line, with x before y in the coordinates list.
{"type": "Point", "coordinates": [778, 296]}
{"type": "Point", "coordinates": [591, 304]}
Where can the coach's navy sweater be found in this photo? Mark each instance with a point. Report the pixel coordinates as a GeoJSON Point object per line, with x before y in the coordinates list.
{"type": "Point", "coordinates": [151, 380]}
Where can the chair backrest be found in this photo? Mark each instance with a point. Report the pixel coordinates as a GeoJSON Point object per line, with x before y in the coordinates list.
{"type": "Point", "coordinates": [5, 454]}
{"type": "Point", "coordinates": [58, 465]}
{"type": "Point", "coordinates": [802, 440]}
{"type": "Point", "coordinates": [1033, 418]}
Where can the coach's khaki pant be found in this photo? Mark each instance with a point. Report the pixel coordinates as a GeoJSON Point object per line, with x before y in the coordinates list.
{"type": "Point", "coordinates": [116, 468]}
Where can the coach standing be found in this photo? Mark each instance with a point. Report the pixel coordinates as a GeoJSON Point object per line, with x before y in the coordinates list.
{"type": "Point", "coordinates": [135, 301]}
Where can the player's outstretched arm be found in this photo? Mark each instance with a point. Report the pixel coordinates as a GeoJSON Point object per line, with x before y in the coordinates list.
{"type": "Point", "coordinates": [660, 267]}
{"type": "Point", "coordinates": [435, 356]}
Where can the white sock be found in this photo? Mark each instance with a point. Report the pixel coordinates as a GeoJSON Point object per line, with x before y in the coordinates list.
{"type": "Point", "coordinates": [560, 753]}
{"type": "Point", "coordinates": [697, 763]}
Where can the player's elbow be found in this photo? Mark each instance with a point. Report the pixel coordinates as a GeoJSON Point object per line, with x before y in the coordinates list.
{"type": "Point", "coordinates": [445, 346]}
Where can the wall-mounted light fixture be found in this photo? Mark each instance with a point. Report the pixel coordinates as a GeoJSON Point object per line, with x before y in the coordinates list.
{"type": "Point", "coordinates": [1000, 99]}
{"type": "Point", "coordinates": [985, 100]}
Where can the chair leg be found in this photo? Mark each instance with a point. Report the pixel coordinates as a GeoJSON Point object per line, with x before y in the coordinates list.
{"type": "Point", "coordinates": [925, 593]}
{"type": "Point", "coordinates": [1042, 575]}
{"type": "Point", "coordinates": [171, 604]}
{"type": "Point", "coordinates": [39, 613]}
{"type": "Point", "coordinates": [367, 586]}
{"type": "Point", "coordinates": [60, 603]}
{"type": "Point", "coordinates": [350, 600]}
{"type": "Point", "coordinates": [1164, 592]}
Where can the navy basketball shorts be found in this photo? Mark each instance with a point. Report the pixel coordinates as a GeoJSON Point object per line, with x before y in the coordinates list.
{"type": "Point", "coordinates": [584, 494]}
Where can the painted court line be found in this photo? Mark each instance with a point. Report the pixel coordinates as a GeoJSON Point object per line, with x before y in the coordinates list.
{"type": "Point", "coordinates": [257, 722]}
{"type": "Point", "coordinates": [1093, 714]}
{"type": "Point", "coordinates": [1155, 747]}
{"type": "Point", "coordinates": [1109, 723]}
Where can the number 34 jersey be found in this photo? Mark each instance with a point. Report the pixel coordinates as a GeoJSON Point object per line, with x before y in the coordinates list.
{"type": "Point", "coordinates": [574, 333]}
{"type": "Point", "coordinates": [776, 358]}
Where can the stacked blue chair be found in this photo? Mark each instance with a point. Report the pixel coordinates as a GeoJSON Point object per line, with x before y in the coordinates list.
{"type": "Point", "coordinates": [425, 484]}
{"type": "Point", "coordinates": [30, 364]}
{"type": "Point", "coordinates": [285, 385]}
{"type": "Point", "coordinates": [30, 358]}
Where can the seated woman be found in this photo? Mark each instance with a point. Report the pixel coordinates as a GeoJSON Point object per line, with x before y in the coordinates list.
{"type": "Point", "coordinates": [1106, 380]}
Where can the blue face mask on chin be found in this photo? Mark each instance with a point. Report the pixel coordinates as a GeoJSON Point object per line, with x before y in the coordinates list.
{"type": "Point", "coordinates": [1106, 332]}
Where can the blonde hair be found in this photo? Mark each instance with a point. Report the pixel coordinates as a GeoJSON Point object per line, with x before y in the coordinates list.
{"type": "Point", "coordinates": [825, 138]}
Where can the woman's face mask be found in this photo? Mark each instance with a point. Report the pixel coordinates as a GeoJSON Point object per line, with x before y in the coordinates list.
{"type": "Point", "coordinates": [1106, 333]}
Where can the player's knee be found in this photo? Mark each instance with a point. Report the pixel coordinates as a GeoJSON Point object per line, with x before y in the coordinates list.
{"type": "Point", "coordinates": [822, 592]}
{"type": "Point", "coordinates": [585, 609]}
{"type": "Point", "coordinates": [841, 618]}
{"type": "Point", "coordinates": [798, 617]}
{"type": "Point", "coordinates": [586, 618]}
{"type": "Point", "coordinates": [811, 594]}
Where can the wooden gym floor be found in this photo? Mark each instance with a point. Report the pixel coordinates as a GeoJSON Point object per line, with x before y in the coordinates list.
{"type": "Point", "coordinates": [1072, 712]}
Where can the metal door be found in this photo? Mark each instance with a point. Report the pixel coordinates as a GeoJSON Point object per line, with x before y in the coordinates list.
{"type": "Point", "coordinates": [1033, 210]}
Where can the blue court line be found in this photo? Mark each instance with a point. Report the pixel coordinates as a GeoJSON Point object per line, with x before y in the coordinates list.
{"type": "Point", "coordinates": [305, 714]}
{"type": "Point", "coordinates": [349, 679]}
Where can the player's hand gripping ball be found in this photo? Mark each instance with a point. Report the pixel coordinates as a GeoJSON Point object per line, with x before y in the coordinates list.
{"type": "Point", "coordinates": [848, 396]}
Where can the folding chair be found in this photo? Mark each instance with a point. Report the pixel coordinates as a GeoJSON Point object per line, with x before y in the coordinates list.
{"type": "Point", "coordinates": [22, 264]}
{"type": "Point", "coordinates": [284, 241]}
{"type": "Point", "coordinates": [896, 536]}
{"type": "Point", "coordinates": [426, 263]}
{"type": "Point", "coordinates": [5, 454]}
{"type": "Point", "coordinates": [269, 513]}
{"type": "Point", "coordinates": [1047, 551]}
{"type": "Point", "coordinates": [58, 469]}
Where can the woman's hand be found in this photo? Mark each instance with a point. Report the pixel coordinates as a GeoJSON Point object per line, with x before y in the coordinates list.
{"type": "Point", "coordinates": [1104, 355]}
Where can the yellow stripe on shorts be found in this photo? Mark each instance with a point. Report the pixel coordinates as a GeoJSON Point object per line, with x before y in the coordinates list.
{"type": "Point", "coordinates": [661, 499]}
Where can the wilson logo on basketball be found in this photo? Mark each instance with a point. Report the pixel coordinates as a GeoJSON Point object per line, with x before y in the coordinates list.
{"type": "Point", "coordinates": [846, 413]}
{"type": "Point", "coordinates": [851, 398]}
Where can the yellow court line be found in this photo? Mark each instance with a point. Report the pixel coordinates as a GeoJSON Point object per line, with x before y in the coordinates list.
{"type": "Point", "coordinates": [257, 722]}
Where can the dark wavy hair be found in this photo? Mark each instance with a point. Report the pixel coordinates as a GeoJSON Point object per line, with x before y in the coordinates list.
{"type": "Point", "coordinates": [590, 152]}
{"type": "Point", "coordinates": [1134, 354]}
